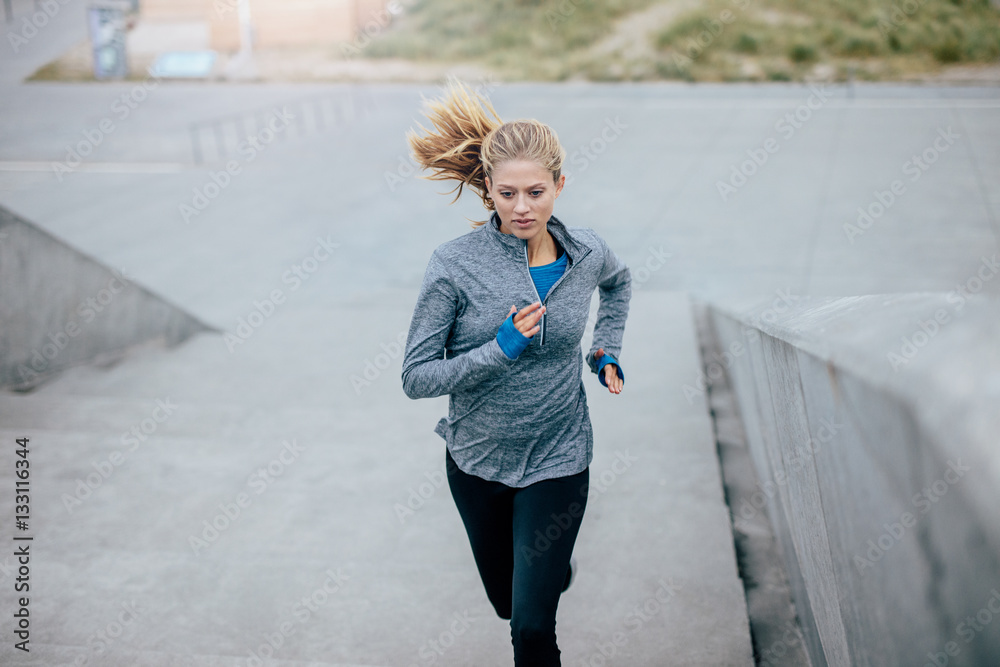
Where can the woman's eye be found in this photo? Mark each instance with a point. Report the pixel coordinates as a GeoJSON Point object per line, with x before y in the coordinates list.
{"type": "Point", "coordinates": [536, 192]}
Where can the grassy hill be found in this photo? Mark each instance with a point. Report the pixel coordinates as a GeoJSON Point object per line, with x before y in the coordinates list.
{"type": "Point", "coordinates": [711, 40]}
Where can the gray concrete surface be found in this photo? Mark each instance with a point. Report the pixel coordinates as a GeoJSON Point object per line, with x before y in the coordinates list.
{"type": "Point", "coordinates": [872, 425]}
{"type": "Point", "coordinates": [654, 187]}
{"type": "Point", "coordinates": [60, 308]}
{"type": "Point", "coordinates": [364, 497]}
{"type": "Point", "coordinates": [644, 165]}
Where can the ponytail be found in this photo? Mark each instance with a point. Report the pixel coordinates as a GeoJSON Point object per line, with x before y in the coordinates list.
{"type": "Point", "coordinates": [471, 142]}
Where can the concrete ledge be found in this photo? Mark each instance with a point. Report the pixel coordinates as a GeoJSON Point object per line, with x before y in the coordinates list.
{"type": "Point", "coordinates": [872, 424]}
{"type": "Point", "coordinates": [60, 308]}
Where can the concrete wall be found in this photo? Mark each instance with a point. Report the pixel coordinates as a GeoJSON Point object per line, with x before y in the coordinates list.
{"type": "Point", "coordinates": [59, 308]}
{"type": "Point", "coordinates": [873, 424]}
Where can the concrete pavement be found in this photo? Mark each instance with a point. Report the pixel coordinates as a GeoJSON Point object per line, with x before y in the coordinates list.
{"type": "Point", "coordinates": [321, 372]}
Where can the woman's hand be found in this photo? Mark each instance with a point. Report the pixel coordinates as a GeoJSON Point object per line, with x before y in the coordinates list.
{"type": "Point", "coordinates": [527, 319]}
{"type": "Point", "coordinates": [615, 383]}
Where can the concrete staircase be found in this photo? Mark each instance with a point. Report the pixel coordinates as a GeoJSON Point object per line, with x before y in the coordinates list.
{"type": "Point", "coordinates": [254, 499]}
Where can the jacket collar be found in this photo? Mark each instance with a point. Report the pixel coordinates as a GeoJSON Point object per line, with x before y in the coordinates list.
{"type": "Point", "coordinates": [516, 247]}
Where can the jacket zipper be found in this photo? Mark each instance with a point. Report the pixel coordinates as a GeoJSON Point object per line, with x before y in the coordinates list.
{"type": "Point", "coordinates": [541, 332]}
{"type": "Point", "coordinates": [570, 265]}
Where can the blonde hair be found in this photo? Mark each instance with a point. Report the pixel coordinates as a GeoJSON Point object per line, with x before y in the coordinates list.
{"type": "Point", "coordinates": [471, 141]}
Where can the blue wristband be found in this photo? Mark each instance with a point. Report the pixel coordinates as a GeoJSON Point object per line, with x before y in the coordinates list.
{"type": "Point", "coordinates": [511, 341]}
{"type": "Point", "coordinates": [603, 361]}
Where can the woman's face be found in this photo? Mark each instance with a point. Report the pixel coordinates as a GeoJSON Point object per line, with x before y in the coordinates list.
{"type": "Point", "coordinates": [524, 194]}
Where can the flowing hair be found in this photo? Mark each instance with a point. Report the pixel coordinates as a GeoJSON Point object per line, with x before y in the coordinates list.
{"type": "Point", "coordinates": [471, 141]}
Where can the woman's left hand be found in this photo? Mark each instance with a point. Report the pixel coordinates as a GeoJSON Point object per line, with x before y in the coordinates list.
{"type": "Point", "coordinates": [615, 383]}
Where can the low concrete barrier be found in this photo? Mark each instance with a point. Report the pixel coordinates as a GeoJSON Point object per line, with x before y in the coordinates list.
{"type": "Point", "coordinates": [60, 308]}
{"type": "Point", "coordinates": [873, 424]}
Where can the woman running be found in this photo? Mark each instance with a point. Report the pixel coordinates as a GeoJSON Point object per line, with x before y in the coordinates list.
{"type": "Point", "coordinates": [518, 434]}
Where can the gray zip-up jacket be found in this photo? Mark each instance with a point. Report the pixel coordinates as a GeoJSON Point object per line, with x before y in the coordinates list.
{"type": "Point", "coordinates": [514, 421]}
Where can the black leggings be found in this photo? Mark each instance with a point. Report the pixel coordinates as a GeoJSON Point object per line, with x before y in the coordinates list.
{"type": "Point", "coordinates": [522, 539]}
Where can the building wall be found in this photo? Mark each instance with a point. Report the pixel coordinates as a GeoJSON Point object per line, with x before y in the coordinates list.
{"type": "Point", "coordinates": [173, 10]}
{"type": "Point", "coordinates": [276, 23]}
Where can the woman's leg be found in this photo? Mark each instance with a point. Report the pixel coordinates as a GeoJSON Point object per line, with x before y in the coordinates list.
{"type": "Point", "coordinates": [547, 518]}
{"type": "Point", "coordinates": [486, 510]}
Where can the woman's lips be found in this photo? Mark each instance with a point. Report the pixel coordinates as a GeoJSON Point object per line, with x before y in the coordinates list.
{"type": "Point", "coordinates": [519, 223]}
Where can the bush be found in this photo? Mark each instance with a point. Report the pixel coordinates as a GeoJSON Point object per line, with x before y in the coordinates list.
{"type": "Point", "coordinates": [747, 43]}
{"type": "Point", "coordinates": [802, 53]}
{"type": "Point", "coordinates": [948, 51]}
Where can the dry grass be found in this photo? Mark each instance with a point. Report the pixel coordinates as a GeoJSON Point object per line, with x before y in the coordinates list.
{"type": "Point", "coordinates": [636, 40]}
{"type": "Point", "coordinates": [720, 40]}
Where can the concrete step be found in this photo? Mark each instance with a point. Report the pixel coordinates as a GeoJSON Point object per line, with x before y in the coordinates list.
{"type": "Point", "coordinates": [217, 555]}
{"type": "Point", "coordinates": [122, 418]}
{"type": "Point", "coordinates": [52, 655]}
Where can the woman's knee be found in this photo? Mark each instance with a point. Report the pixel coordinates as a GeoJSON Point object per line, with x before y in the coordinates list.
{"type": "Point", "coordinates": [532, 629]}
{"type": "Point", "coordinates": [503, 611]}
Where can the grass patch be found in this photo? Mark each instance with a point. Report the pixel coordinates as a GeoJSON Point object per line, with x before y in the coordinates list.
{"type": "Point", "coordinates": [805, 33]}
{"type": "Point", "coordinates": [703, 40]}
{"type": "Point", "coordinates": [718, 40]}
{"type": "Point", "coordinates": [528, 29]}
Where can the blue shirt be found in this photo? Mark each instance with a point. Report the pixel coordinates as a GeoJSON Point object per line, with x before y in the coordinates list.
{"type": "Point", "coordinates": [513, 342]}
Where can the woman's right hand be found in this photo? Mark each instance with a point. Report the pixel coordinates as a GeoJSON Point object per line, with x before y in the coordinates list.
{"type": "Point", "coordinates": [526, 320]}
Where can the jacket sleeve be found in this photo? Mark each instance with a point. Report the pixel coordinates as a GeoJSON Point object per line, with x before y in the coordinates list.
{"type": "Point", "coordinates": [615, 288]}
{"type": "Point", "coordinates": [426, 370]}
